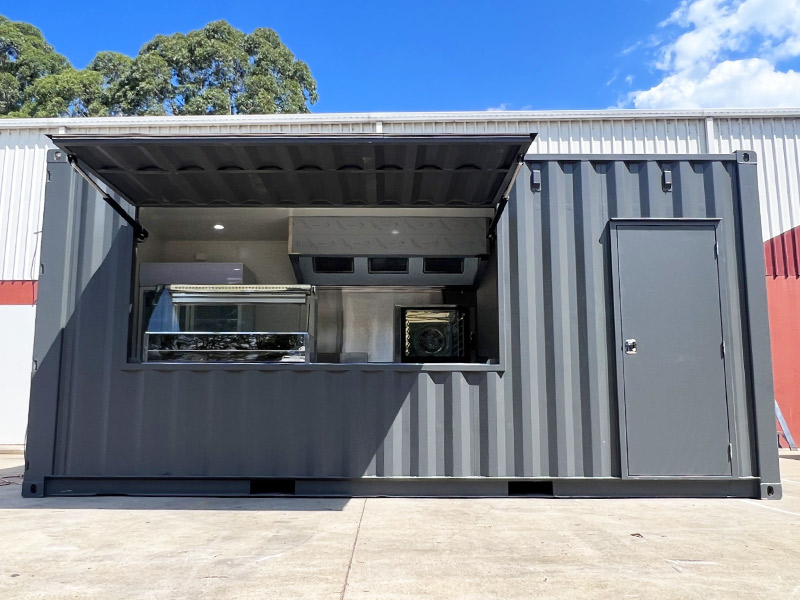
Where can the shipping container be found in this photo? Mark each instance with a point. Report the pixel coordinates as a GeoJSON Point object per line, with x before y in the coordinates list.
{"type": "Point", "coordinates": [486, 319]}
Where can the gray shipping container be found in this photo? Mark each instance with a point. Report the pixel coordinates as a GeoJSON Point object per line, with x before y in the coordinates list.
{"type": "Point", "coordinates": [634, 359]}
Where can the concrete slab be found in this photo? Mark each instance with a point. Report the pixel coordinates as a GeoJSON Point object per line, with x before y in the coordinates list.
{"type": "Point", "coordinates": [397, 548]}
{"type": "Point", "coordinates": [143, 548]}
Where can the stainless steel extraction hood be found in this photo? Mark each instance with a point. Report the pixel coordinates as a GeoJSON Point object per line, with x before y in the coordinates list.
{"type": "Point", "coordinates": [388, 251]}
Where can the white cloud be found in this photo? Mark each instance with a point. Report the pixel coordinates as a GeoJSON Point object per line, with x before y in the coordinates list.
{"type": "Point", "coordinates": [728, 55]}
{"type": "Point", "coordinates": [732, 83]}
{"type": "Point", "coordinates": [631, 48]}
{"type": "Point", "coordinates": [505, 106]}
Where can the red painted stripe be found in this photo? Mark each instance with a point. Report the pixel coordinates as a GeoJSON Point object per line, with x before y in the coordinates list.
{"type": "Point", "coordinates": [782, 254]}
{"type": "Point", "coordinates": [18, 292]}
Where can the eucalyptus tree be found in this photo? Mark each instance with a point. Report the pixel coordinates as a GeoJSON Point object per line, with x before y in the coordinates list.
{"type": "Point", "coordinates": [214, 70]}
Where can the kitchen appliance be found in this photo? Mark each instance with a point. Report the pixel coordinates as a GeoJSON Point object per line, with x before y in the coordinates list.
{"type": "Point", "coordinates": [433, 334]}
{"type": "Point", "coordinates": [388, 251]}
{"type": "Point", "coordinates": [206, 273]}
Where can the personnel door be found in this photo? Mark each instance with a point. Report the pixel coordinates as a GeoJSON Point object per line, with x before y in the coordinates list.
{"type": "Point", "coordinates": [674, 409]}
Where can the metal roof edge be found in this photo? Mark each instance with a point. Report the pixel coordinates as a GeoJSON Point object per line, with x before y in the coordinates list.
{"type": "Point", "coordinates": [650, 157]}
{"type": "Point", "coordinates": [56, 124]}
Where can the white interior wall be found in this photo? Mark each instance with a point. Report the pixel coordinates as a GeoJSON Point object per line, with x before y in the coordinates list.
{"type": "Point", "coordinates": [16, 350]}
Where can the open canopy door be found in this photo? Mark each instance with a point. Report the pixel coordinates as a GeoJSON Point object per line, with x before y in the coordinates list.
{"type": "Point", "coordinates": [311, 171]}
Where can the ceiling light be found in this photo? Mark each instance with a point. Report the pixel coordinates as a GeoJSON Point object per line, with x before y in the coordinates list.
{"type": "Point", "coordinates": [219, 227]}
{"type": "Point", "coordinates": [395, 232]}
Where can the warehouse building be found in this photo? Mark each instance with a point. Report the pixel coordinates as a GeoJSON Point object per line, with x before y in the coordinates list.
{"type": "Point", "coordinates": [435, 299]}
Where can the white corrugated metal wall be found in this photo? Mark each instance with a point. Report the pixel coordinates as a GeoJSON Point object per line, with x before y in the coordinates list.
{"type": "Point", "coordinates": [773, 134]}
{"type": "Point", "coordinates": [776, 142]}
{"type": "Point", "coordinates": [775, 138]}
{"type": "Point", "coordinates": [22, 178]}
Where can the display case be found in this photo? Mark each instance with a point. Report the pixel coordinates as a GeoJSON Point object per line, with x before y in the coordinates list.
{"type": "Point", "coordinates": [230, 323]}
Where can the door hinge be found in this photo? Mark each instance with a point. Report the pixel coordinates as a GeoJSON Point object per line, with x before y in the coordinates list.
{"type": "Point", "coordinates": [716, 249]}
{"type": "Point", "coordinates": [730, 452]}
{"type": "Point", "coordinates": [722, 350]}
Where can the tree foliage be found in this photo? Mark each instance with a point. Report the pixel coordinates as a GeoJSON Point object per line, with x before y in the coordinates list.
{"type": "Point", "coordinates": [25, 58]}
{"type": "Point", "coordinates": [214, 70]}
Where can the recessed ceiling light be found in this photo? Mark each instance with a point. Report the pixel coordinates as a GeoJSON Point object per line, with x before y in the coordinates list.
{"type": "Point", "coordinates": [395, 232]}
{"type": "Point", "coordinates": [219, 227]}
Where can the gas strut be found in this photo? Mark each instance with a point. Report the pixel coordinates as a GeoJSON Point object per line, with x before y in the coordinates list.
{"type": "Point", "coordinates": [501, 205]}
{"type": "Point", "coordinates": [139, 231]}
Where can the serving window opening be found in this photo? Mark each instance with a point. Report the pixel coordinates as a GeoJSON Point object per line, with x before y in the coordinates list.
{"type": "Point", "coordinates": [276, 286]}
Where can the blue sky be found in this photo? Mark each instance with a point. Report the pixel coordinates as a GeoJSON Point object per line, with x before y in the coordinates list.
{"type": "Point", "coordinates": [475, 55]}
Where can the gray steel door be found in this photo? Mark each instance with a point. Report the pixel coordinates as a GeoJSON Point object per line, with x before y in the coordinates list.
{"type": "Point", "coordinates": [675, 411]}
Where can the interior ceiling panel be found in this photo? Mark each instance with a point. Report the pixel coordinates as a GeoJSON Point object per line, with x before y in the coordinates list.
{"type": "Point", "coordinates": [313, 171]}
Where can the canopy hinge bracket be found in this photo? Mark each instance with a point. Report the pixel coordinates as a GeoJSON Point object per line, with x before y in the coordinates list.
{"type": "Point", "coordinates": [139, 231]}
{"type": "Point", "coordinates": [501, 205]}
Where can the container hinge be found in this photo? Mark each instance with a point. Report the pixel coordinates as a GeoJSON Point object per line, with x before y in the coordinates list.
{"type": "Point", "coordinates": [138, 230]}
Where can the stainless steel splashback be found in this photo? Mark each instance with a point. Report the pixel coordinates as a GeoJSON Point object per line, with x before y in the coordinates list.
{"type": "Point", "coordinates": [361, 319]}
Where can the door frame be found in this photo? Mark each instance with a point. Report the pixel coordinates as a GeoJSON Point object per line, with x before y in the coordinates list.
{"type": "Point", "coordinates": [618, 354]}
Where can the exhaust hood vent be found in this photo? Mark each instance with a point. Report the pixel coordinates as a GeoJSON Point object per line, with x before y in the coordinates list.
{"type": "Point", "coordinates": [388, 264]}
{"type": "Point", "coordinates": [332, 264]}
{"type": "Point", "coordinates": [424, 251]}
{"type": "Point", "coordinates": [443, 265]}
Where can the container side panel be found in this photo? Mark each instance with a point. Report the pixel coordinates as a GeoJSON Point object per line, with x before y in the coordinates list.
{"type": "Point", "coordinates": [551, 413]}
{"type": "Point", "coordinates": [565, 364]}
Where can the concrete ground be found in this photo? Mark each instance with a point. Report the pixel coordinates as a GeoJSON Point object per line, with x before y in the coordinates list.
{"type": "Point", "coordinates": [132, 548]}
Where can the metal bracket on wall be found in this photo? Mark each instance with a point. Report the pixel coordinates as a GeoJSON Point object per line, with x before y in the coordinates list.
{"type": "Point", "coordinates": [139, 231]}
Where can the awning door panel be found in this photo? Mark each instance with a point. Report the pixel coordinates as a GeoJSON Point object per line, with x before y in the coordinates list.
{"type": "Point", "coordinates": [368, 170]}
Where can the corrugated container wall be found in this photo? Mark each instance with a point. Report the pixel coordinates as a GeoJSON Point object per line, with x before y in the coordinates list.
{"type": "Point", "coordinates": [776, 140]}
{"type": "Point", "coordinates": [551, 413]}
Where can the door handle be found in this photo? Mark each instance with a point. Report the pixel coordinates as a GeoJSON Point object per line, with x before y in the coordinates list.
{"type": "Point", "coordinates": [631, 346]}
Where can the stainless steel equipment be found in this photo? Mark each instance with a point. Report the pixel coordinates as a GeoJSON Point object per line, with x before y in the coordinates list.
{"type": "Point", "coordinates": [231, 323]}
{"type": "Point", "coordinates": [388, 251]}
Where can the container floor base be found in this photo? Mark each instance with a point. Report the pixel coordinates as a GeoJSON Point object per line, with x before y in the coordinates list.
{"type": "Point", "coordinates": [399, 487]}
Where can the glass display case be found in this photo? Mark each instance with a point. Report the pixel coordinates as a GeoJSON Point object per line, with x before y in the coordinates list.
{"type": "Point", "coordinates": [229, 323]}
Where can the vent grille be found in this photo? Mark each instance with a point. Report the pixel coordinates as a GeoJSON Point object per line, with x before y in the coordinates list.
{"type": "Point", "coordinates": [333, 264]}
{"type": "Point", "coordinates": [443, 265]}
{"type": "Point", "coordinates": [388, 264]}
